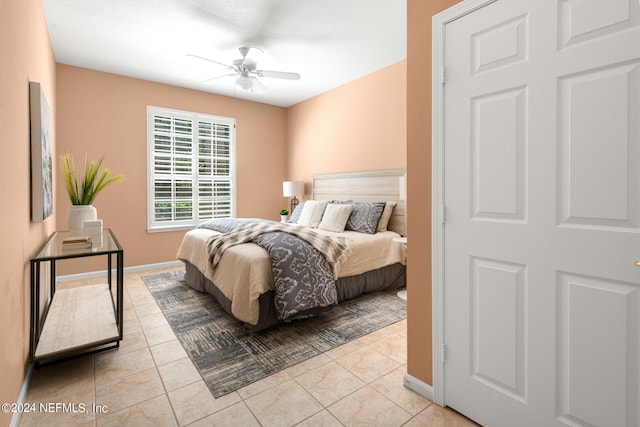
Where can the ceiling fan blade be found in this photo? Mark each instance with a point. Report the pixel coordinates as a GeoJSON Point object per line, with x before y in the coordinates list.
{"type": "Point", "coordinates": [218, 77]}
{"type": "Point", "coordinates": [278, 75]}
{"type": "Point", "coordinates": [211, 60]}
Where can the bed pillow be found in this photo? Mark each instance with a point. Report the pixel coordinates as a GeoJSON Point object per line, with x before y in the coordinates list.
{"type": "Point", "coordinates": [312, 213]}
{"type": "Point", "coordinates": [295, 215]}
{"type": "Point", "coordinates": [335, 217]}
{"type": "Point", "coordinates": [386, 216]}
{"type": "Point", "coordinates": [365, 217]}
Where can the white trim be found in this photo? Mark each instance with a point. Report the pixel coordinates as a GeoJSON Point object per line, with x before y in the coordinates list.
{"type": "Point", "coordinates": [437, 208]}
{"type": "Point", "coordinates": [170, 228]}
{"type": "Point", "coordinates": [89, 274]}
{"type": "Point", "coordinates": [420, 387]}
{"type": "Point", "coordinates": [15, 419]}
{"type": "Point", "coordinates": [439, 22]}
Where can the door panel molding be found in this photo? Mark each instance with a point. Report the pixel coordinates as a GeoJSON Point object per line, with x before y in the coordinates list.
{"type": "Point", "coordinates": [583, 323]}
{"type": "Point", "coordinates": [592, 174]}
{"type": "Point", "coordinates": [498, 310]}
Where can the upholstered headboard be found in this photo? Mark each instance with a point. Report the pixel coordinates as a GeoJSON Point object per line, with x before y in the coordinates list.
{"type": "Point", "coordinates": [366, 186]}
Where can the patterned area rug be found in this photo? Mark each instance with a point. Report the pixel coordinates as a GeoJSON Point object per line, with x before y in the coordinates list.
{"type": "Point", "coordinates": [229, 358]}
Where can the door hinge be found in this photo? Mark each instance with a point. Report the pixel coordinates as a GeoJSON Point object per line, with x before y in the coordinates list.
{"type": "Point", "coordinates": [444, 353]}
{"type": "Point", "coordinates": [442, 75]}
{"type": "Point", "coordinates": [443, 214]}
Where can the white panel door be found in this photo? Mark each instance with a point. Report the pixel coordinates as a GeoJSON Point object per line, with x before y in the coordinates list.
{"type": "Point", "coordinates": [541, 173]}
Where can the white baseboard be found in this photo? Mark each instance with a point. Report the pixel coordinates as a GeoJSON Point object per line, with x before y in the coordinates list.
{"type": "Point", "coordinates": [420, 387]}
{"type": "Point", "coordinates": [15, 419]}
{"type": "Point", "coordinates": [167, 264]}
{"type": "Point", "coordinates": [90, 274]}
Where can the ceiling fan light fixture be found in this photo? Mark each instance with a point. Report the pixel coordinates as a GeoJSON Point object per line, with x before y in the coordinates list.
{"type": "Point", "coordinates": [245, 82]}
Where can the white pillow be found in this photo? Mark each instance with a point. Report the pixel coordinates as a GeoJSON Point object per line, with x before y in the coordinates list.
{"type": "Point", "coordinates": [312, 213]}
{"type": "Point", "coordinates": [386, 216]}
{"type": "Point", "coordinates": [335, 217]}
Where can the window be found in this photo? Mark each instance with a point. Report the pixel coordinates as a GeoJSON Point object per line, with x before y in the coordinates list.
{"type": "Point", "coordinates": [191, 167]}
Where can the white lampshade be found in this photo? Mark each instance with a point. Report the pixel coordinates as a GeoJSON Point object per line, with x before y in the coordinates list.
{"type": "Point", "coordinates": [292, 188]}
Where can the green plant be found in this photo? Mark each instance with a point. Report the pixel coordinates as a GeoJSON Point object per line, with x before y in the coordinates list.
{"type": "Point", "coordinates": [284, 212]}
{"type": "Point", "coordinates": [84, 190]}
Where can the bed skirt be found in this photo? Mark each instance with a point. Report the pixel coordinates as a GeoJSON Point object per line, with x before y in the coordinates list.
{"type": "Point", "coordinates": [386, 278]}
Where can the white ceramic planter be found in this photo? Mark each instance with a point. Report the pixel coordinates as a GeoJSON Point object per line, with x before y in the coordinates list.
{"type": "Point", "coordinates": [78, 214]}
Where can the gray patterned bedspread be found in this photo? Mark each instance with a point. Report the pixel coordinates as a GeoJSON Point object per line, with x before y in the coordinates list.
{"type": "Point", "coordinates": [304, 262]}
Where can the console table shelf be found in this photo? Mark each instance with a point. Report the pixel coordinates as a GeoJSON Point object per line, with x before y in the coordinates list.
{"type": "Point", "coordinates": [78, 317]}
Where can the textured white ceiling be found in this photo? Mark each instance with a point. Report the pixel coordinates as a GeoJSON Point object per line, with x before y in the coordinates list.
{"type": "Point", "coordinates": [329, 42]}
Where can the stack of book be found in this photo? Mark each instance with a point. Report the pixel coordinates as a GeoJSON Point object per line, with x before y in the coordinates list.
{"type": "Point", "coordinates": [76, 242]}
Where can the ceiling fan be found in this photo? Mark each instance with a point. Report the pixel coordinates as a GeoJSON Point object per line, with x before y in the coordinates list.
{"type": "Point", "coordinates": [245, 72]}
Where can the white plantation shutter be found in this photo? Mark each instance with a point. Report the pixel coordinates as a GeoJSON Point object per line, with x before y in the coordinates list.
{"type": "Point", "coordinates": [191, 168]}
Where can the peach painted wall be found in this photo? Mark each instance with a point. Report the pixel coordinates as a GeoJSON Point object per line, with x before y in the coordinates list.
{"type": "Point", "coordinates": [25, 55]}
{"type": "Point", "coordinates": [105, 114]}
{"type": "Point", "coordinates": [419, 325]}
{"type": "Point", "coordinates": [358, 126]}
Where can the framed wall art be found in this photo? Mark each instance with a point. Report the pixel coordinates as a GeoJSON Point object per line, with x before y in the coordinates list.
{"type": "Point", "coordinates": [41, 157]}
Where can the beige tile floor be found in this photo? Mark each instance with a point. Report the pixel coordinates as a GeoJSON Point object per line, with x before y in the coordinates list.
{"type": "Point", "coordinates": [151, 381]}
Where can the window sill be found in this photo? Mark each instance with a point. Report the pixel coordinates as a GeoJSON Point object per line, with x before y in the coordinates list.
{"type": "Point", "coordinates": [170, 228]}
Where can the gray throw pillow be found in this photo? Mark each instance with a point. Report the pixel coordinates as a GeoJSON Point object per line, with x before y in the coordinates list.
{"type": "Point", "coordinates": [365, 217]}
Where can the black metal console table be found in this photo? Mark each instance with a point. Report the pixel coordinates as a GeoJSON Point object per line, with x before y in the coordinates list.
{"type": "Point", "coordinates": [76, 320]}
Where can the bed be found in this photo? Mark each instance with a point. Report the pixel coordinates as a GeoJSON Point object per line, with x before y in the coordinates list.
{"type": "Point", "coordinates": [245, 281]}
